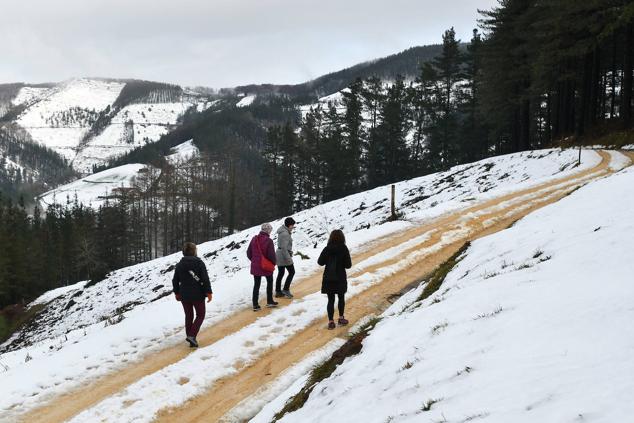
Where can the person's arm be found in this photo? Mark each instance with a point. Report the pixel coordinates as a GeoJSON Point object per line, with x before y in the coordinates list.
{"type": "Point", "coordinates": [206, 282]}
{"type": "Point", "coordinates": [322, 258]}
{"type": "Point", "coordinates": [284, 243]}
{"type": "Point", "coordinates": [205, 278]}
{"type": "Point", "coordinates": [347, 261]}
{"type": "Point", "coordinates": [176, 284]}
{"type": "Point", "coordinates": [270, 252]}
{"type": "Point", "coordinates": [250, 250]}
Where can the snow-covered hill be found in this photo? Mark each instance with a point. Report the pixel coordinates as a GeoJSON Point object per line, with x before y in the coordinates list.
{"type": "Point", "coordinates": [106, 324]}
{"type": "Point", "coordinates": [534, 324]}
{"type": "Point", "coordinates": [64, 117]}
{"type": "Point", "coordinates": [95, 189]}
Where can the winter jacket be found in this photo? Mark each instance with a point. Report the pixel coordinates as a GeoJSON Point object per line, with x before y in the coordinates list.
{"type": "Point", "coordinates": [253, 253]}
{"type": "Point", "coordinates": [284, 252]}
{"type": "Point", "coordinates": [335, 280]}
{"type": "Point", "coordinates": [190, 279]}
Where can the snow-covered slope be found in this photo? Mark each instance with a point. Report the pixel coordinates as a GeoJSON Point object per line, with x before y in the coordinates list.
{"type": "Point", "coordinates": [62, 116]}
{"type": "Point", "coordinates": [534, 324]}
{"type": "Point", "coordinates": [59, 117]}
{"type": "Point", "coordinates": [134, 126]}
{"type": "Point", "coordinates": [93, 190]}
{"type": "Point", "coordinates": [183, 152]}
{"type": "Point", "coordinates": [121, 318]}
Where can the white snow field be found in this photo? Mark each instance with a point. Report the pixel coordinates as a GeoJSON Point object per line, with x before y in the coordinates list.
{"type": "Point", "coordinates": [149, 123]}
{"type": "Point", "coordinates": [87, 94]}
{"type": "Point", "coordinates": [183, 153]}
{"type": "Point", "coordinates": [246, 101]}
{"type": "Point", "coordinates": [91, 329]}
{"type": "Point", "coordinates": [95, 189]}
{"type": "Point", "coordinates": [61, 116]}
{"type": "Point", "coordinates": [534, 324]}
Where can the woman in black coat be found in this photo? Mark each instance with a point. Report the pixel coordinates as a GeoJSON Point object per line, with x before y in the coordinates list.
{"type": "Point", "coordinates": [336, 257]}
{"type": "Point", "coordinates": [191, 286]}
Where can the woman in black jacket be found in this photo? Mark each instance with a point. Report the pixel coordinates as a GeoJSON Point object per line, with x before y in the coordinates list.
{"type": "Point", "coordinates": [191, 286]}
{"type": "Point", "coordinates": [336, 257]}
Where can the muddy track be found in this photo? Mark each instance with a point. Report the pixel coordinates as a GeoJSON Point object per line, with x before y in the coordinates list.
{"type": "Point", "coordinates": [476, 221]}
{"type": "Point", "coordinates": [488, 218]}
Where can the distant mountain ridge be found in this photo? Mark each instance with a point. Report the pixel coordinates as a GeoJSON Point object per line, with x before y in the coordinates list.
{"type": "Point", "coordinates": [91, 122]}
{"type": "Point", "coordinates": [405, 63]}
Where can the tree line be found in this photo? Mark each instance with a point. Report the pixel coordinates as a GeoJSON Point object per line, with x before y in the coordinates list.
{"type": "Point", "coordinates": [541, 73]}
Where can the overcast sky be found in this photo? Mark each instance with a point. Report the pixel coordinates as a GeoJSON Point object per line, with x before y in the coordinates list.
{"type": "Point", "coordinates": [216, 43]}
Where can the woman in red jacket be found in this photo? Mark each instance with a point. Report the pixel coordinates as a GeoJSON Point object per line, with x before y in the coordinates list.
{"type": "Point", "coordinates": [260, 251]}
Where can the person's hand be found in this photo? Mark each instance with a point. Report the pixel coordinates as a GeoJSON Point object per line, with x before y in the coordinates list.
{"type": "Point", "coordinates": [178, 297]}
{"type": "Point", "coordinates": [209, 296]}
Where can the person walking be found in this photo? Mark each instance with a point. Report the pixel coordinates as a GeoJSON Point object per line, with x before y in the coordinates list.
{"type": "Point", "coordinates": [284, 256]}
{"type": "Point", "coordinates": [191, 285]}
{"type": "Point", "coordinates": [336, 259]}
{"type": "Point", "coordinates": [261, 252]}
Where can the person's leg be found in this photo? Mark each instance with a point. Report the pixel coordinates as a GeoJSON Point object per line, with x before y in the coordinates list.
{"type": "Point", "coordinates": [189, 316]}
{"type": "Point", "coordinates": [330, 307]}
{"type": "Point", "coordinates": [256, 289]}
{"type": "Point", "coordinates": [199, 306]}
{"type": "Point", "coordinates": [289, 278]}
{"type": "Point", "coordinates": [269, 290]}
{"type": "Point", "coordinates": [278, 280]}
{"type": "Point", "coordinates": [341, 304]}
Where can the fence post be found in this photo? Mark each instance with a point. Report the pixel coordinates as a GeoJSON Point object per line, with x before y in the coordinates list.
{"type": "Point", "coordinates": [393, 203]}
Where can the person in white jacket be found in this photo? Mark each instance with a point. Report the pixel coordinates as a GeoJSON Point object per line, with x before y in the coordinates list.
{"type": "Point", "coordinates": [284, 256]}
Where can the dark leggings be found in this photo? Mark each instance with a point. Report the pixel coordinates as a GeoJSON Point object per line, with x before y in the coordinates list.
{"type": "Point", "coordinates": [192, 326]}
{"type": "Point", "coordinates": [256, 289]}
{"type": "Point", "coordinates": [341, 305]}
{"type": "Point", "coordinates": [280, 276]}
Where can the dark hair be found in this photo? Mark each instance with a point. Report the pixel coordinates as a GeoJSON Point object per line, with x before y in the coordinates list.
{"type": "Point", "coordinates": [337, 237]}
{"type": "Point", "coordinates": [189, 249]}
{"type": "Point", "coordinates": [289, 221]}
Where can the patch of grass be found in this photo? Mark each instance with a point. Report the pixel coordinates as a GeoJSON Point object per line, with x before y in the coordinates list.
{"type": "Point", "coordinates": [407, 366]}
{"type": "Point", "coordinates": [476, 416]}
{"type": "Point", "coordinates": [467, 369]}
{"type": "Point", "coordinates": [438, 276]}
{"type": "Point", "coordinates": [573, 190]}
{"type": "Point", "coordinates": [302, 255]}
{"type": "Point", "coordinates": [489, 275]}
{"type": "Point", "coordinates": [439, 327]}
{"type": "Point", "coordinates": [323, 371]}
{"type": "Point", "coordinates": [427, 405]}
{"type": "Point", "coordinates": [538, 253]}
{"type": "Point", "coordinates": [491, 314]}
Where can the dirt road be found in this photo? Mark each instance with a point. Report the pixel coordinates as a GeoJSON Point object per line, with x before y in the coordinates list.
{"type": "Point", "coordinates": [473, 222]}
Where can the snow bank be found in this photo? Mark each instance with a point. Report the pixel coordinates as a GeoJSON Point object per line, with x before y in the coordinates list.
{"type": "Point", "coordinates": [532, 325]}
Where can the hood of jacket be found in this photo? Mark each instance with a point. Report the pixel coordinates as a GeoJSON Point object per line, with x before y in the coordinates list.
{"type": "Point", "coordinates": [283, 229]}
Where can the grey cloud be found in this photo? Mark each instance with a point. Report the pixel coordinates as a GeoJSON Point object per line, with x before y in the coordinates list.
{"type": "Point", "coordinates": [215, 43]}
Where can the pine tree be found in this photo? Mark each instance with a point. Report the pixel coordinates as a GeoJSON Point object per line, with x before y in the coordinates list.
{"type": "Point", "coordinates": [354, 135]}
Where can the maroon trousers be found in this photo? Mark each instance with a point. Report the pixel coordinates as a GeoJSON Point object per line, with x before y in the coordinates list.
{"type": "Point", "coordinates": [192, 326]}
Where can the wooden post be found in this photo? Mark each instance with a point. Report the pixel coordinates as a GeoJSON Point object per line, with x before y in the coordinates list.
{"type": "Point", "coordinates": [393, 203]}
{"type": "Point", "coordinates": [579, 161]}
